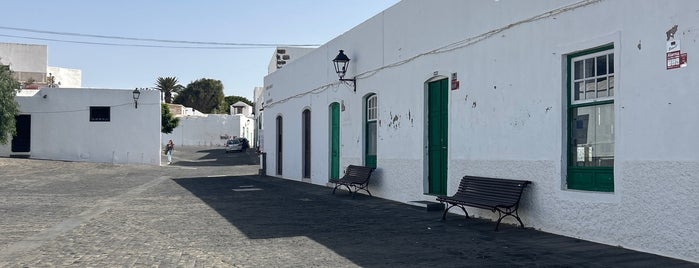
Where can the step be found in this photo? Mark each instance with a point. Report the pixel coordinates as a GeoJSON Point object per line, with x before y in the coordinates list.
{"type": "Point", "coordinates": [428, 205]}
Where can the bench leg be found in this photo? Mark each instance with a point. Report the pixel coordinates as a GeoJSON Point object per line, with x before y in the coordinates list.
{"type": "Point", "coordinates": [366, 189]}
{"type": "Point", "coordinates": [338, 185]}
{"type": "Point", "coordinates": [505, 213]}
{"type": "Point", "coordinates": [444, 215]}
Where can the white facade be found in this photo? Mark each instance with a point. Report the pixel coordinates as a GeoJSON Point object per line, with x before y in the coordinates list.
{"type": "Point", "coordinates": [285, 55]}
{"type": "Point", "coordinates": [62, 127]}
{"type": "Point", "coordinates": [210, 130]}
{"type": "Point", "coordinates": [28, 61]}
{"type": "Point", "coordinates": [65, 77]}
{"type": "Point", "coordinates": [241, 108]}
{"type": "Point", "coordinates": [508, 118]}
{"type": "Point", "coordinates": [258, 101]}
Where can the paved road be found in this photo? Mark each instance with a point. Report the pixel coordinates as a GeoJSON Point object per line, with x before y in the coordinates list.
{"type": "Point", "coordinates": [210, 209]}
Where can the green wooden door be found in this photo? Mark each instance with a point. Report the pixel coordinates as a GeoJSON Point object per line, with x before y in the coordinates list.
{"type": "Point", "coordinates": [437, 136]}
{"type": "Point", "coordinates": [335, 140]}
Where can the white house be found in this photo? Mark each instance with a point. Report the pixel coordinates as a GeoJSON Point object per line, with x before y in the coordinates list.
{"type": "Point", "coordinates": [258, 132]}
{"type": "Point", "coordinates": [210, 130]}
{"type": "Point", "coordinates": [29, 62]}
{"type": "Point", "coordinates": [285, 55]}
{"type": "Point", "coordinates": [593, 101]}
{"type": "Point", "coordinates": [241, 108]}
{"type": "Point", "coordinates": [90, 125]}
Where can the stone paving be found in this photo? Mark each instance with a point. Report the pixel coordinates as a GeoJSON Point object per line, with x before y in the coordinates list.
{"type": "Point", "coordinates": [210, 209]}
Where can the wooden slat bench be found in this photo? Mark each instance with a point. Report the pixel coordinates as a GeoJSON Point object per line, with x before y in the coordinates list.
{"type": "Point", "coordinates": [356, 177]}
{"type": "Point", "coordinates": [499, 195]}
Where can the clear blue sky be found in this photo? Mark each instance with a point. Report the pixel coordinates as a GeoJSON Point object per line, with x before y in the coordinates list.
{"type": "Point", "coordinates": [226, 21]}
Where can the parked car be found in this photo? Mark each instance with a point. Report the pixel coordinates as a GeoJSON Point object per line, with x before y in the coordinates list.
{"type": "Point", "coordinates": [234, 145]}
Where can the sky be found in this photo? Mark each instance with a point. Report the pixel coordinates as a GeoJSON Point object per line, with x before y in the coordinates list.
{"type": "Point", "coordinates": [269, 22]}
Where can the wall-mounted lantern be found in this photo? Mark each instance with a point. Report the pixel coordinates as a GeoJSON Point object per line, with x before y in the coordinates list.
{"type": "Point", "coordinates": [341, 63]}
{"type": "Point", "coordinates": [136, 95]}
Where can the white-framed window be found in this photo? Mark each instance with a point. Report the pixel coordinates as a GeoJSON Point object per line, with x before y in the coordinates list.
{"type": "Point", "coordinates": [371, 130]}
{"type": "Point", "coordinates": [591, 133]}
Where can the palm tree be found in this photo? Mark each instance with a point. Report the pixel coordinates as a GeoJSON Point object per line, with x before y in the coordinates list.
{"type": "Point", "coordinates": [167, 86]}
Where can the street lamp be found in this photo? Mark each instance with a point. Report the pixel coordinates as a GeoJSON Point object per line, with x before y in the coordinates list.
{"type": "Point", "coordinates": [341, 63]}
{"type": "Point", "coordinates": [136, 95]}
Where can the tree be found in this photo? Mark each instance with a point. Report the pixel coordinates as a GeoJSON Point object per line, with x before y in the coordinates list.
{"type": "Point", "coordinates": [167, 121]}
{"type": "Point", "coordinates": [204, 94]}
{"type": "Point", "coordinates": [230, 100]}
{"type": "Point", "coordinates": [8, 107]}
{"type": "Point", "coordinates": [167, 86]}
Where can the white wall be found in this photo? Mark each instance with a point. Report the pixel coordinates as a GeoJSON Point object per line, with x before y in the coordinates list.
{"type": "Point", "coordinates": [508, 118]}
{"type": "Point", "coordinates": [290, 54]}
{"type": "Point", "coordinates": [210, 130]}
{"type": "Point", "coordinates": [61, 127]}
{"type": "Point", "coordinates": [69, 78]}
{"type": "Point", "coordinates": [24, 57]}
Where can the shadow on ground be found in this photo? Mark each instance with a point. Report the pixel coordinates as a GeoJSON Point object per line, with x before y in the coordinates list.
{"type": "Point", "coordinates": [215, 157]}
{"type": "Point", "coordinates": [374, 232]}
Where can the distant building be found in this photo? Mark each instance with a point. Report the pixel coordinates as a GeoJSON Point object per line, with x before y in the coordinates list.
{"type": "Point", "coordinates": [199, 129]}
{"type": "Point", "coordinates": [258, 101]}
{"type": "Point", "coordinates": [88, 125]}
{"type": "Point", "coordinates": [241, 108]}
{"type": "Point", "coordinates": [29, 64]}
{"type": "Point", "coordinates": [284, 55]}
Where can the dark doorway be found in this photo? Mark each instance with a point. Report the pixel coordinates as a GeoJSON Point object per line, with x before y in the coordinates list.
{"type": "Point", "coordinates": [279, 145]}
{"type": "Point", "coordinates": [306, 143]}
{"type": "Point", "coordinates": [22, 142]}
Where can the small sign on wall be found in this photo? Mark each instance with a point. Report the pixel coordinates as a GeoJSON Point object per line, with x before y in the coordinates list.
{"type": "Point", "coordinates": [674, 58]}
{"type": "Point", "coordinates": [454, 82]}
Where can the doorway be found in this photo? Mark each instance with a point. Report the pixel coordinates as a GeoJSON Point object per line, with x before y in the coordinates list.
{"type": "Point", "coordinates": [437, 122]}
{"type": "Point", "coordinates": [279, 145]}
{"type": "Point", "coordinates": [306, 126]}
{"type": "Point", "coordinates": [334, 140]}
{"type": "Point", "coordinates": [22, 142]}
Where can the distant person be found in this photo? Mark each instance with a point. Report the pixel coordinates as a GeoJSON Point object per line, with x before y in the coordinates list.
{"type": "Point", "coordinates": [168, 151]}
{"type": "Point", "coordinates": [246, 145]}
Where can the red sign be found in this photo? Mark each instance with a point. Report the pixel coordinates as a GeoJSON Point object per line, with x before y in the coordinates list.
{"type": "Point", "coordinates": [675, 59]}
{"type": "Point", "coordinates": [454, 84]}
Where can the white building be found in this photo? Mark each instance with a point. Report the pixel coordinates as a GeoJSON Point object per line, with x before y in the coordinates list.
{"type": "Point", "coordinates": [592, 101]}
{"type": "Point", "coordinates": [90, 125]}
{"type": "Point", "coordinates": [285, 55]}
{"type": "Point", "coordinates": [258, 101]}
{"type": "Point", "coordinates": [210, 130]}
{"type": "Point", "coordinates": [30, 66]}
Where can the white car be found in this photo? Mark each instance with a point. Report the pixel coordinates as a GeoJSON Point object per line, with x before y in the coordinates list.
{"type": "Point", "coordinates": [234, 145]}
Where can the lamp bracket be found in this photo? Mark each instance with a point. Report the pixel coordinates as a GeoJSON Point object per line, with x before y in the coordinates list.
{"type": "Point", "coordinates": [353, 80]}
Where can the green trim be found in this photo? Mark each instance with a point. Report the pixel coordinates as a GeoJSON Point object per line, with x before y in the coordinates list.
{"type": "Point", "coordinates": [369, 160]}
{"type": "Point", "coordinates": [589, 51]}
{"type": "Point", "coordinates": [599, 179]}
{"type": "Point", "coordinates": [334, 140]}
{"type": "Point", "coordinates": [438, 135]}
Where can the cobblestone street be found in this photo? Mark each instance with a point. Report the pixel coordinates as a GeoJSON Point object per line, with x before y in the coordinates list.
{"type": "Point", "coordinates": [210, 209]}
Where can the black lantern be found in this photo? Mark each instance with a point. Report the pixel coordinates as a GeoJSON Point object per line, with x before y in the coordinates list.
{"type": "Point", "coordinates": [341, 63]}
{"type": "Point", "coordinates": [136, 95]}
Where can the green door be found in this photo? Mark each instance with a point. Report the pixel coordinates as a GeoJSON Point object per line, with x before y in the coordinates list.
{"type": "Point", "coordinates": [437, 136]}
{"type": "Point", "coordinates": [335, 140]}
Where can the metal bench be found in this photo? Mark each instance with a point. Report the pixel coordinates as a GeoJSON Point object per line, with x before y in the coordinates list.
{"type": "Point", "coordinates": [356, 177]}
{"type": "Point", "coordinates": [499, 195]}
